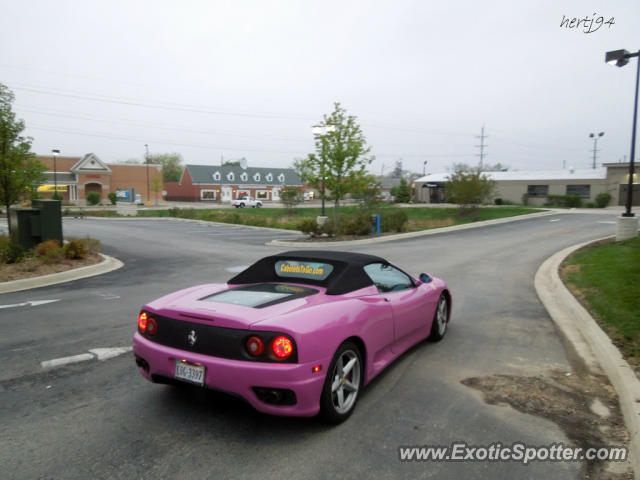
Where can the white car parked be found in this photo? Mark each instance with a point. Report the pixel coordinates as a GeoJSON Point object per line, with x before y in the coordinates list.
{"type": "Point", "coordinates": [247, 202]}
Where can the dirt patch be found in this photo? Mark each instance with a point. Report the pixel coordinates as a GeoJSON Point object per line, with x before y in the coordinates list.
{"type": "Point", "coordinates": [571, 402]}
{"type": "Point", "coordinates": [33, 267]}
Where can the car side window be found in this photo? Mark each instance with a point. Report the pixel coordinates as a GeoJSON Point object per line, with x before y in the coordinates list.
{"type": "Point", "coordinates": [387, 278]}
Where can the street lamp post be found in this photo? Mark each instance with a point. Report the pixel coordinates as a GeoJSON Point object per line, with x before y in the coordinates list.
{"type": "Point", "coordinates": [424, 168]}
{"type": "Point", "coordinates": [55, 153]}
{"type": "Point", "coordinates": [319, 131]}
{"type": "Point", "coordinates": [146, 160]}
{"type": "Point", "coordinates": [626, 227]}
{"type": "Point", "coordinates": [595, 146]}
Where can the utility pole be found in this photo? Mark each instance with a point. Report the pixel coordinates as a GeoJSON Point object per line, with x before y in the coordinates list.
{"type": "Point", "coordinates": [482, 147]}
{"type": "Point", "coordinates": [146, 160]}
{"type": "Point", "coordinates": [595, 146]}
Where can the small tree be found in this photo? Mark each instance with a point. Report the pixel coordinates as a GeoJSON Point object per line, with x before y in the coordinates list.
{"type": "Point", "coordinates": [20, 173]}
{"type": "Point", "coordinates": [401, 192]}
{"type": "Point", "coordinates": [340, 159]}
{"type": "Point", "coordinates": [469, 189]}
{"type": "Point", "coordinates": [93, 198]}
{"type": "Point", "coordinates": [156, 186]}
{"type": "Point", "coordinates": [290, 197]}
{"type": "Point", "coordinates": [113, 198]}
{"type": "Point", "coordinates": [171, 165]}
{"type": "Point", "coordinates": [367, 190]}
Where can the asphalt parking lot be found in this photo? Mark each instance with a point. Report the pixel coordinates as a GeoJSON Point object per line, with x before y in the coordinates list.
{"type": "Point", "coordinates": [100, 418]}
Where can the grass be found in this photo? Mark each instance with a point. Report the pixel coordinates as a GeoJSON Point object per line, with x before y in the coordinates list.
{"type": "Point", "coordinates": [606, 279]}
{"type": "Point", "coordinates": [419, 218]}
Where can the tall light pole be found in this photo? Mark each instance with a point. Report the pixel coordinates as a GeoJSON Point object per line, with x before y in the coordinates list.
{"type": "Point", "coordinates": [620, 58]}
{"type": "Point", "coordinates": [146, 160]}
{"type": "Point", "coordinates": [319, 132]}
{"type": "Point", "coordinates": [595, 146]}
{"type": "Point", "coordinates": [424, 168]}
{"type": "Point", "coordinates": [55, 153]}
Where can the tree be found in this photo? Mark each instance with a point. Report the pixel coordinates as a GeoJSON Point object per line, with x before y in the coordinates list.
{"type": "Point", "coordinates": [171, 165]}
{"type": "Point", "coordinates": [20, 173]}
{"type": "Point", "coordinates": [156, 186]}
{"type": "Point", "coordinates": [340, 159]}
{"type": "Point", "coordinates": [469, 189]}
{"type": "Point", "coordinates": [290, 197]}
{"type": "Point", "coordinates": [401, 192]}
{"type": "Point", "coordinates": [367, 190]}
{"type": "Point", "coordinates": [397, 170]}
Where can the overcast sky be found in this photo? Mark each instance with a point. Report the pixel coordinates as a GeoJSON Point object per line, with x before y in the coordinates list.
{"type": "Point", "coordinates": [216, 79]}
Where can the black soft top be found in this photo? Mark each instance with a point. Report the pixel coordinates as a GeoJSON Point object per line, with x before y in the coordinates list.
{"type": "Point", "coordinates": [347, 276]}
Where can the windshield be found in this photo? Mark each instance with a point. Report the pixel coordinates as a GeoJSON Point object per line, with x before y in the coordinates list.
{"type": "Point", "coordinates": [260, 295]}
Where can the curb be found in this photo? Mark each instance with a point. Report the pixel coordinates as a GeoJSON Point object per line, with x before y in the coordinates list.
{"type": "Point", "coordinates": [591, 343]}
{"type": "Point", "coordinates": [408, 235]}
{"type": "Point", "coordinates": [108, 264]}
{"type": "Point", "coordinates": [190, 220]}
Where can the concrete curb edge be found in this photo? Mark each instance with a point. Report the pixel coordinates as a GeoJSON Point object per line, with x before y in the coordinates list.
{"type": "Point", "coordinates": [108, 264]}
{"type": "Point", "coordinates": [409, 235]}
{"type": "Point", "coordinates": [591, 343]}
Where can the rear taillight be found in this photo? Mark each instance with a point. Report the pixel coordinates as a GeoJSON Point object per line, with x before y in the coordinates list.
{"type": "Point", "coordinates": [147, 324]}
{"type": "Point", "coordinates": [152, 326]}
{"type": "Point", "coordinates": [255, 346]}
{"type": "Point", "coordinates": [282, 347]}
{"type": "Point", "coordinates": [142, 321]}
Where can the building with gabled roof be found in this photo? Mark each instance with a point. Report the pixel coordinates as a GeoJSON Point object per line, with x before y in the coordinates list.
{"type": "Point", "coordinates": [224, 183]}
{"type": "Point", "coordinates": [76, 177]}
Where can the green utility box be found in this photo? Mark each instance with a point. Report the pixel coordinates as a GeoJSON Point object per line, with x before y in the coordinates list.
{"type": "Point", "coordinates": [31, 226]}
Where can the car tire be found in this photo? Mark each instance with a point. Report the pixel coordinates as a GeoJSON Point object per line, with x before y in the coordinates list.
{"type": "Point", "coordinates": [440, 320]}
{"type": "Point", "coordinates": [242, 205]}
{"type": "Point", "coordinates": [341, 389]}
{"type": "Point", "coordinates": [258, 205]}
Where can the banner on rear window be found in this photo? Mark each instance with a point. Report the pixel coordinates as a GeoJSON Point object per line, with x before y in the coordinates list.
{"type": "Point", "coordinates": [307, 270]}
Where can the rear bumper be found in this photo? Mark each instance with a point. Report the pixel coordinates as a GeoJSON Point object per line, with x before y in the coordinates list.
{"type": "Point", "coordinates": [238, 376]}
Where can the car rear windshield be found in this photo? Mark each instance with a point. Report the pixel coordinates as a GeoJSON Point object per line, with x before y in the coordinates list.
{"type": "Point", "coordinates": [302, 269]}
{"type": "Point", "coordinates": [260, 295]}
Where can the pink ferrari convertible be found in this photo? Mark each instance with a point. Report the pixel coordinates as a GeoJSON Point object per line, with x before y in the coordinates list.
{"type": "Point", "coordinates": [299, 333]}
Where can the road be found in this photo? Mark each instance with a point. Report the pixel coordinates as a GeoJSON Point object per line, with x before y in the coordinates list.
{"type": "Point", "coordinates": [101, 419]}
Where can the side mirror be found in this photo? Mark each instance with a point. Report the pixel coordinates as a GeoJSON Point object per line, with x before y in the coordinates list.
{"type": "Point", "coordinates": [424, 278]}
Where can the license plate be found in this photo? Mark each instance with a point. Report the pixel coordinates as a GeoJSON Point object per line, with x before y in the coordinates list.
{"type": "Point", "coordinates": [189, 373]}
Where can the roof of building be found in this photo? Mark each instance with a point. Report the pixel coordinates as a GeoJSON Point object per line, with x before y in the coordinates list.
{"type": "Point", "coordinates": [204, 174]}
{"type": "Point", "coordinates": [571, 174]}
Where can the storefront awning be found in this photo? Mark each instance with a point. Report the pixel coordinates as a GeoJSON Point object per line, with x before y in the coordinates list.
{"type": "Point", "coordinates": [52, 188]}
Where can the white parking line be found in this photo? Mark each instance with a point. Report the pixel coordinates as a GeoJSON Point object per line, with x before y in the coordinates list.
{"type": "Point", "coordinates": [608, 222]}
{"type": "Point", "coordinates": [555, 220]}
{"type": "Point", "coordinates": [99, 353]}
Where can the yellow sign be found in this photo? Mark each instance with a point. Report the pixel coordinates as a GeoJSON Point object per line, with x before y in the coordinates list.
{"type": "Point", "coordinates": [52, 188]}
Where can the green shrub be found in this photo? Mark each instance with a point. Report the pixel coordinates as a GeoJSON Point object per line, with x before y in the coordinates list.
{"type": "Point", "coordinates": [573, 201]}
{"type": "Point", "coordinates": [498, 201]}
{"type": "Point", "coordinates": [525, 199]}
{"type": "Point", "coordinates": [393, 220]}
{"type": "Point", "coordinates": [328, 228]}
{"type": "Point", "coordinates": [93, 198]}
{"type": "Point", "coordinates": [357, 225]}
{"type": "Point", "coordinates": [602, 200]}
{"type": "Point", "coordinates": [48, 251]}
{"type": "Point", "coordinates": [590, 205]}
{"type": "Point", "coordinates": [507, 202]}
{"type": "Point", "coordinates": [309, 226]}
{"type": "Point", "coordinates": [570, 201]}
{"type": "Point", "coordinates": [75, 250]}
{"type": "Point", "coordinates": [113, 198]}
{"type": "Point", "coordinates": [10, 252]}
{"type": "Point", "coordinates": [56, 196]}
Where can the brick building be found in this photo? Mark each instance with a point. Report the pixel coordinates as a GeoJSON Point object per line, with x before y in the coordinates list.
{"type": "Point", "coordinates": [224, 183]}
{"type": "Point", "coordinates": [76, 177]}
